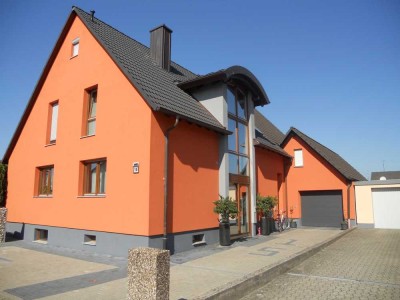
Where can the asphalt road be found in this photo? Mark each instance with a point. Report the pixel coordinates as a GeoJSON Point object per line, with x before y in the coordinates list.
{"type": "Point", "coordinates": [364, 264]}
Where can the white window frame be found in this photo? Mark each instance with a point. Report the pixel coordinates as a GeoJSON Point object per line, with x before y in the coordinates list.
{"type": "Point", "coordinates": [54, 122]}
{"type": "Point", "coordinates": [75, 47]}
{"type": "Point", "coordinates": [298, 158]}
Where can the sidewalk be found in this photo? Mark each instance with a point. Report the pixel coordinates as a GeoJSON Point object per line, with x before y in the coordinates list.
{"type": "Point", "coordinates": [211, 272]}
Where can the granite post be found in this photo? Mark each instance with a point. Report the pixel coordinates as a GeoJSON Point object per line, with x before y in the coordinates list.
{"type": "Point", "coordinates": [3, 220]}
{"type": "Point", "coordinates": [148, 274]}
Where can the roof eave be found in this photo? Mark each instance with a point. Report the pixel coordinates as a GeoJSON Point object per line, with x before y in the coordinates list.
{"type": "Point", "coordinates": [282, 153]}
{"type": "Point", "coordinates": [220, 130]}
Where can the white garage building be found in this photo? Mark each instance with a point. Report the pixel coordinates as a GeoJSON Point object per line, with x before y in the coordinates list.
{"type": "Point", "coordinates": [378, 203]}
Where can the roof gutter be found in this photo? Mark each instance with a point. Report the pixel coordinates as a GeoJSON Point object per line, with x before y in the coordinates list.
{"type": "Point", "coordinates": [166, 153]}
{"type": "Point", "coordinates": [348, 204]}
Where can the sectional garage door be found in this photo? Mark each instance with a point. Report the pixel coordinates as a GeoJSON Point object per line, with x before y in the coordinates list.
{"type": "Point", "coordinates": [321, 208]}
{"type": "Point", "coordinates": [386, 204]}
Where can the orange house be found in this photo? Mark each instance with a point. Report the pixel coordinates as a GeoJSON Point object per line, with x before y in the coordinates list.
{"type": "Point", "coordinates": [121, 147]}
{"type": "Point", "coordinates": [320, 186]}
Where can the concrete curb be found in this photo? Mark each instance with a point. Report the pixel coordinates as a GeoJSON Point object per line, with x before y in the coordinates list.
{"type": "Point", "coordinates": [241, 287]}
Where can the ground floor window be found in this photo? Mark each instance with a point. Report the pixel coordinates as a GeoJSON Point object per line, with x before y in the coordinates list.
{"type": "Point", "coordinates": [95, 177]}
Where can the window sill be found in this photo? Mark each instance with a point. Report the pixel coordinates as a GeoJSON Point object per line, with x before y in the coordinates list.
{"type": "Point", "coordinates": [73, 56]}
{"type": "Point", "coordinates": [87, 136]}
{"type": "Point", "coordinates": [40, 242]}
{"type": "Point", "coordinates": [43, 196]}
{"type": "Point", "coordinates": [51, 144]}
{"type": "Point", "coordinates": [90, 243]}
{"type": "Point", "coordinates": [92, 196]}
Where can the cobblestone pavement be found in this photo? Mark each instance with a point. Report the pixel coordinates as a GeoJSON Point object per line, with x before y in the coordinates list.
{"type": "Point", "coordinates": [365, 264]}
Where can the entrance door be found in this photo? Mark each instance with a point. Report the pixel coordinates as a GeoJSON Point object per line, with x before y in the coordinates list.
{"type": "Point", "coordinates": [240, 194]}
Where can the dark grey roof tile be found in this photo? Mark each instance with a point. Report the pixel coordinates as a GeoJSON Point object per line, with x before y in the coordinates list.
{"type": "Point", "coordinates": [156, 85]}
{"type": "Point", "coordinates": [334, 159]}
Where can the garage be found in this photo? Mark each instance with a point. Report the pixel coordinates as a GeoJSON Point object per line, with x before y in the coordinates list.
{"type": "Point", "coordinates": [321, 208]}
{"type": "Point", "coordinates": [386, 207]}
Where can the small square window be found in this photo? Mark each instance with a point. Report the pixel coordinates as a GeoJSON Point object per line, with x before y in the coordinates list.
{"type": "Point", "coordinates": [89, 240]}
{"type": "Point", "coordinates": [41, 235]}
{"type": "Point", "coordinates": [198, 239]}
{"type": "Point", "coordinates": [75, 47]}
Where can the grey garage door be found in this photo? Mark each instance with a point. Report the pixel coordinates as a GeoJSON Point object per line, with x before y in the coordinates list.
{"type": "Point", "coordinates": [321, 208]}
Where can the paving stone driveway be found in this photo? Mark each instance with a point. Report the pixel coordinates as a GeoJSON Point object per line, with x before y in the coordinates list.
{"type": "Point", "coordinates": [364, 264]}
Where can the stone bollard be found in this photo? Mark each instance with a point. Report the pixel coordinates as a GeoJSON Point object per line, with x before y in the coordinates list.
{"type": "Point", "coordinates": [148, 274]}
{"type": "Point", "coordinates": [3, 220]}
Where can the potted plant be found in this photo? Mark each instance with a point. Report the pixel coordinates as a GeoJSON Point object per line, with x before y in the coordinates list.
{"type": "Point", "coordinates": [293, 223]}
{"type": "Point", "coordinates": [226, 208]}
{"type": "Point", "coordinates": [344, 225]}
{"type": "Point", "coordinates": [264, 205]}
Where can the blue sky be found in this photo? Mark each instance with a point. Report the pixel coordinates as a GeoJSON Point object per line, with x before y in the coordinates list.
{"type": "Point", "coordinates": [330, 68]}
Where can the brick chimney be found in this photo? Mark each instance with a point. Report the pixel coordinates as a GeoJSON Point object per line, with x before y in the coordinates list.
{"type": "Point", "coordinates": [160, 46]}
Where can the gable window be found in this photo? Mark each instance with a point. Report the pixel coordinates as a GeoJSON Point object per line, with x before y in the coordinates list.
{"type": "Point", "coordinates": [298, 158]}
{"type": "Point", "coordinates": [238, 140]}
{"type": "Point", "coordinates": [53, 120]}
{"type": "Point", "coordinates": [89, 112]}
{"type": "Point", "coordinates": [46, 175]}
{"type": "Point", "coordinates": [75, 47]}
{"type": "Point", "coordinates": [94, 177]}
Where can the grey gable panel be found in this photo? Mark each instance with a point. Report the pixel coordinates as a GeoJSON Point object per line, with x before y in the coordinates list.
{"type": "Point", "coordinates": [156, 85]}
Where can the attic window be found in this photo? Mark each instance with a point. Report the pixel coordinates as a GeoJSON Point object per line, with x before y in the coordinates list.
{"type": "Point", "coordinates": [298, 158]}
{"type": "Point", "coordinates": [75, 47]}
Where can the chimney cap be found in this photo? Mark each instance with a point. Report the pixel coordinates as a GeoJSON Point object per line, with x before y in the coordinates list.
{"type": "Point", "coordinates": [162, 25]}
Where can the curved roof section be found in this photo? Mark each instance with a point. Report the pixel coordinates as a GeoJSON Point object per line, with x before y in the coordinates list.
{"type": "Point", "coordinates": [231, 74]}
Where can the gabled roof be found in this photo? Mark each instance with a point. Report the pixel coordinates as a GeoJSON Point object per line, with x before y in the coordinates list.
{"type": "Point", "coordinates": [387, 174]}
{"type": "Point", "coordinates": [334, 159]}
{"type": "Point", "coordinates": [268, 136]}
{"type": "Point", "coordinates": [157, 86]}
{"type": "Point", "coordinates": [268, 130]}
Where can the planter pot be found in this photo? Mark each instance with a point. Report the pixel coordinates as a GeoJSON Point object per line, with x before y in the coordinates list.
{"type": "Point", "coordinates": [293, 224]}
{"type": "Point", "coordinates": [344, 226]}
{"type": "Point", "coordinates": [265, 226]}
{"type": "Point", "coordinates": [271, 222]}
{"type": "Point", "coordinates": [224, 234]}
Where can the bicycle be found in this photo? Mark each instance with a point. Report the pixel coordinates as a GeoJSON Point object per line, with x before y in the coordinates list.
{"type": "Point", "coordinates": [281, 222]}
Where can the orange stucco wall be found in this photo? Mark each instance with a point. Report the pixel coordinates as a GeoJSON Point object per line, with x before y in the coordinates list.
{"type": "Point", "coordinates": [193, 176]}
{"type": "Point", "coordinates": [270, 175]}
{"type": "Point", "coordinates": [122, 136]}
{"type": "Point", "coordinates": [315, 175]}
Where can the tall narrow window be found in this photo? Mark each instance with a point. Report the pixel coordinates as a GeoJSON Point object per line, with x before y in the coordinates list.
{"type": "Point", "coordinates": [52, 131]}
{"type": "Point", "coordinates": [238, 140]}
{"type": "Point", "coordinates": [95, 177]}
{"type": "Point", "coordinates": [46, 175]}
{"type": "Point", "coordinates": [91, 120]}
{"type": "Point", "coordinates": [75, 47]}
{"type": "Point", "coordinates": [298, 158]}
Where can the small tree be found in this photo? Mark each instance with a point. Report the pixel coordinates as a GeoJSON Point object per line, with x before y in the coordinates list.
{"type": "Point", "coordinates": [265, 204]}
{"type": "Point", "coordinates": [226, 208]}
{"type": "Point", "coordinates": [3, 184]}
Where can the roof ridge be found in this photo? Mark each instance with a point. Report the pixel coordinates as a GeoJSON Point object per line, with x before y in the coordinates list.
{"type": "Point", "coordinates": [129, 37]}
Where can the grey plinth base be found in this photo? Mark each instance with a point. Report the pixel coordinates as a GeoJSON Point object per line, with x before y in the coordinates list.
{"type": "Point", "coordinates": [3, 220]}
{"type": "Point", "coordinates": [148, 274]}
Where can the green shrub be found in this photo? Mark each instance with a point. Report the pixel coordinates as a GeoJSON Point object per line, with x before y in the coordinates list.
{"type": "Point", "coordinates": [265, 204]}
{"type": "Point", "coordinates": [226, 208]}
